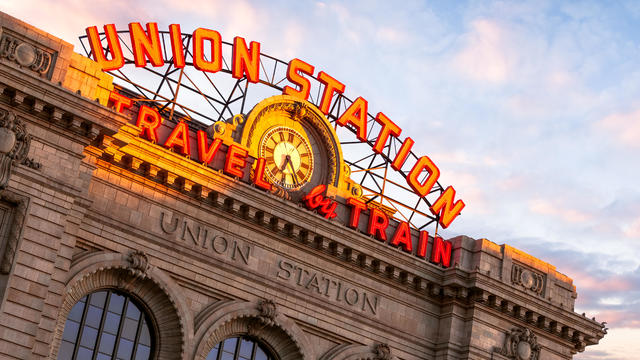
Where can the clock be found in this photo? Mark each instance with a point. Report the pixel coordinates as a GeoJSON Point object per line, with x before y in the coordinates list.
{"type": "Point", "coordinates": [288, 157]}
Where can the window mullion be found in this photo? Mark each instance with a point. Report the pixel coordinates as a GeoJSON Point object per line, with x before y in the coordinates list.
{"type": "Point", "coordinates": [137, 338]}
{"type": "Point", "coordinates": [122, 318]}
{"type": "Point", "coordinates": [104, 315]}
{"type": "Point", "coordinates": [254, 350]}
{"type": "Point", "coordinates": [237, 351]}
{"type": "Point", "coordinates": [84, 316]}
{"type": "Point", "coordinates": [220, 346]}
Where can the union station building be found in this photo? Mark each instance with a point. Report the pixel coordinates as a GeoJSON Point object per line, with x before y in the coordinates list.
{"type": "Point", "coordinates": [130, 230]}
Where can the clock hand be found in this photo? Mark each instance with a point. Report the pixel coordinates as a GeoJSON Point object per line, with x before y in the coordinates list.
{"type": "Point", "coordinates": [293, 171]}
{"type": "Point", "coordinates": [290, 148]}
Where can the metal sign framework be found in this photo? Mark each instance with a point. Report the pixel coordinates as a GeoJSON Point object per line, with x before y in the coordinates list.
{"type": "Point", "coordinates": [209, 97]}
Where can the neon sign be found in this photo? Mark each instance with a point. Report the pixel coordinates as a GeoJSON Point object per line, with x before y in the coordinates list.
{"type": "Point", "coordinates": [147, 49]}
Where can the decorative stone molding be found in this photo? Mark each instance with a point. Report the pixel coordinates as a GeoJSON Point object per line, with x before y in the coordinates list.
{"type": "Point", "coordinates": [25, 54]}
{"type": "Point", "coordinates": [14, 144]}
{"type": "Point", "coordinates": [260, 320]}
{"type": "Point", "coordinates": [20, 205]}
{"type": "Point", "coordinates": [383, 352]}
{"type": "Point", "coordinates": [138, 264]}
{"type": "Point", "coordinates": [268, 312]}
{"type": "Point", "coordinates": [520, 344]}
{"type": "Point", "coordinates": [30, 163]}
{"type": "Point", "coordinates": [379, 351]}
{"type": "Point", "coordinates": [157, 293]}
{"type": "Point", "coordinates": [527, 278]}
{"type": "Point", "coordinates": [267, 317]}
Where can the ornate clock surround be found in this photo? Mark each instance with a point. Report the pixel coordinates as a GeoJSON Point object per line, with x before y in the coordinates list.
{"type": "Point", "coordinates": [305, 119]}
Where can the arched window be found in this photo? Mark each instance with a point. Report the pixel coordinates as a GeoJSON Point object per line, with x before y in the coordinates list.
{"type": "Point", "coordinates": [106, 325]}
{"type": "Point", "coordinates": [239, 348]}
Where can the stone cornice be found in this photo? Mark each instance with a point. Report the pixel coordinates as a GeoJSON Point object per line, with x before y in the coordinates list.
{"type": "Point", "coordinates": [62, 107]}
{"type": "Point", "coordinates": [468, 288]}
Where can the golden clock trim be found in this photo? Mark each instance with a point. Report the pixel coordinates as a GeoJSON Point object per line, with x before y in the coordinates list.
{"type": "Point", "coordinates": [300, 115]}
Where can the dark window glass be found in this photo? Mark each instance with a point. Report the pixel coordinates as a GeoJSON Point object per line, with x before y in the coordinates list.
{"type": "Point", "coordinates": [106, 325]}
{"type": "Point", "coordinates": [239, 348]}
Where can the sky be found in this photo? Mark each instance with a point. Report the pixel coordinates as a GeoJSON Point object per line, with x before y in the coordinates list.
{"type": "Point", "coordinates": [531, 110]}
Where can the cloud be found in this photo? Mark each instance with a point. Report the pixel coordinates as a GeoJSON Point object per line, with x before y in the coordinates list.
{"type": "Point", "coordinates": [484, 56]}
{"type": "Point", "coordinates": [618, 344]}
{"type": "Point", "coordinates": [604, 290]}
{"type": "Point", "coordinates": [622, 128]}
{"type": "Point", "coordinates": [555, 209]}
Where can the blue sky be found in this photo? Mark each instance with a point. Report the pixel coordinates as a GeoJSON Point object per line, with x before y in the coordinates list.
{"type": "Point", "coordinates": [530, 109]}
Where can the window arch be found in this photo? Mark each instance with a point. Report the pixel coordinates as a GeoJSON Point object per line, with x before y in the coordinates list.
{"type": "Point", "coordinates": [106, 325]}
{"type": "Point", "coordinates": [239, 348]}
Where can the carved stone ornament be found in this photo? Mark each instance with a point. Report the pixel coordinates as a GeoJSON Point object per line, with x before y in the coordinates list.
{"type": "Point", "coordinates": [24, 54]}
{"type": "Point", "coordinates": [138, 264]}
{"type": "Point", "coordinates": [520, 344]}
{"type": "Point", "coordinates": [266, 317]}
{"type": "Point", "coordinates": [526, 278]}
{"type": "Point", "coordinates": [20, 204]}
{"type": "Point", "coordinates": [383, 352]}
{"type": "Point", "coordinates": [14, 144]}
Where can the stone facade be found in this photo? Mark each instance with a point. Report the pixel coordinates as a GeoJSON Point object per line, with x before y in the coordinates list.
{"type": "Point", "coordinates": [233, 260]}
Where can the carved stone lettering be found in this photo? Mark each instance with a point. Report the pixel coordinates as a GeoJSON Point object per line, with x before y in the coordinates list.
{"type": "Point", "coordinates": [320, 284]}
{"type": "Point", "coordinates": [189, 233]}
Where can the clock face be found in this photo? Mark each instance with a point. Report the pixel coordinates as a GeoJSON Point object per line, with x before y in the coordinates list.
{"type": "Point", "coordinates": [288, 156]}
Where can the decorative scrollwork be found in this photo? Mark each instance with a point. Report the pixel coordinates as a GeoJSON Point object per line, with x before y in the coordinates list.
{"type": "Point", "coordinates": [268, 312]}
{"type": "Point", "coordinates": [266, 317]}
{"type": "Point", "coordinates": [520, 344]}
{"type": "Point", "coordinates": [25, 54]}
{"type": "Point", "coordinates": [14, 144]}
{"type": "Point", "coordinates": [31, 163]}
{"type": "Point", "coordinates": [528, 279]}
{"type": "Point", "coordinates": [383, 352]}
{"type": "Point", "coordinates": [138, 264]}
{"type": "Point", "coordinates": [20, 204]}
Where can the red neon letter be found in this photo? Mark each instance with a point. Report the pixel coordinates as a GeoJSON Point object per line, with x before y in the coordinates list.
{"type": "Point", "coordinates": [441, 252]}
{"type": "Point", "coordinates": [177, 48]}
{"type": "Point", "coordinates": [424, 163]}
{"type": "Point", "coordinates": [199, 62]}
{"type": "Point", "coordinates": [179, 137]}
{"type": "Point", "coordinates": [146, 46]}
{"type": "Point", "coordinates": [119, 101]}
{"type": "Point", "coordinates": [206, 153]}
{"type": "Point", "coordinates": [149, 121]}
{"type": "Point", "coordinates": [402, 237]}
{"type": "Point", "coordinates": [450, 212]}
{"type": "Point", "coordinates": [356, 115]}
{"type": "Point", "coordinates": [388, 127]}
{"type": "Point", "coordinates": [356, 208]}
{"type": "Point", "coordinates": [378, 222]}
{"type": "Point", "coordinates": [402, 154]}
{"type": "Point", "coordinates": [258, 175]}
{"type": "Point", "coordinates": [331, 85]}
{"type": "Point", "coordinates": [422, 244]}
{"type": "Point", "coordinates": [236, 161]}
{"type": "Point", "coordinates": [243, 63]}
{"type": "Point", "coordinates": [296, 66]}
{"type": "Point", "coordinates": [117, 60]}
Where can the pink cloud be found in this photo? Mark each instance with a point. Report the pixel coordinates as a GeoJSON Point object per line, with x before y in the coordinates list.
{"type": "Point", "coordinates": [556, 209]}
{"type": "Point", "coordinates": [623, 128]}
{"type": "Point", "coordinates": [484, 56]}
